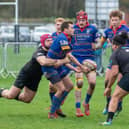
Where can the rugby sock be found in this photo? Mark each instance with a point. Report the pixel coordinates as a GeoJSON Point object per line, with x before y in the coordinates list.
{"type": "Point", "coordinates": [119, 105]}
{"type": "Point", "coordinates": [87, 99]}
{"type": "Point", "coordinates": [78, 104]}
{"type": "Point", "coordinates": [108, 100]}
{"type": "Point", "coordinates": [64, 95]}
{"type": "Point", "coordinates": [55, 104]}
{"type": "Point", "coordinates": [51, 94]}
{"type": "Point", "coordinates": [1, 90]}
{"type": "Point", "coordinates": [110, 116]}
{"type": "Point", "coordinates": [17, 97]}
{"type": "Point", "coordinates": [78, 97]}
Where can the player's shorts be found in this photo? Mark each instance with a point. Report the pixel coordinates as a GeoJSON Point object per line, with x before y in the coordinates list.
{"type": "Point", "coordinates": [55, 75]}
{"type": "Point", "coordinates": [30, 81]}
{"type": "Point", "coordinates": [81, 59]}
{"type": "Point", "coordinates": [124, 82]}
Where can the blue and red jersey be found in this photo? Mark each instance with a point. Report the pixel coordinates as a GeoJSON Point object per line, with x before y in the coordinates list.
{"type": "Point", "coordinates": [54, 35]}
{"type": "Point", "coordinates": [60, 47]}
{"type": "Point", "coordinates": [109, 33]}
{"type": "Point", "coordinates": [58, 50]}
{"type": "Point", "coordinates": [82, 47]}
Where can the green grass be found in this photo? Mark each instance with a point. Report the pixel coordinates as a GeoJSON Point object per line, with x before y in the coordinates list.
{"type": "Point", "coordinates": [18, 115]}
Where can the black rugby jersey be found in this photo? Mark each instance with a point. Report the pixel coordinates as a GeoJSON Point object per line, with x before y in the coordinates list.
{"type": "Point", "coordinates": [32, 67]}
{"type": "Point", "coordinates": [120, 57]}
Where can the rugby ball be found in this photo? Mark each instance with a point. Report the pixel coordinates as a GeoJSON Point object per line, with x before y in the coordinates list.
{"type": "Point", "coordinates": [90, 64]}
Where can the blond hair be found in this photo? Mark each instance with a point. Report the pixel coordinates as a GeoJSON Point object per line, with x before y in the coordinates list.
{"type": "Point", "coordinates": [59, 19]}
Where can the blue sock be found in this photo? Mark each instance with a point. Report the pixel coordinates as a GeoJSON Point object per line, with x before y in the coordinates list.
{"type": "Point", "coordinates": [65, 93]}
{"type": "Point", "coordinates": [55, 104]}
{"type": "Point", "coordinates": [119, 105]}
{"type": "Point", "coordinates": [51, 94]}
{"type": "Point", "coordinates": [78, 104]}
{"type": "Point", "coordinates": [87, 99]}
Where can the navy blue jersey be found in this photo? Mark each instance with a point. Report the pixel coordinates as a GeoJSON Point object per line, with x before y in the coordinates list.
{"type": "Point", "coordinates": [84, 38]}
{"type": "Point", "coordinates": [33, 67]}
{"type": "Point", "coordinates": [54, 35]}
{"type": "Point", "coordinates": [60, 47]}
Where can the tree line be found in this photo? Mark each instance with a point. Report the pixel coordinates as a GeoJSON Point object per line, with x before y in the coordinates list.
{"type": "Point", "coordinates": [43, 8]}
{"type": "Point", "coordinates": [48, 8]}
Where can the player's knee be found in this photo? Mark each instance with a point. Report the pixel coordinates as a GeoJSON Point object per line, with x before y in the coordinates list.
{"type": "Point", "coordinates": [60, 91]}
{"type": "Point", "coordinates": [92, 85]}
{"type": "Point", "coordinates": [77, 89]}
{"type": "Point", "coordinates": [70, 87]}
{"type": "Point", "coordinates": [79, 83]}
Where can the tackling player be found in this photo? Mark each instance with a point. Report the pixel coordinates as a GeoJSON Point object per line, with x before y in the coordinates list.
{"type": "Point", "coordinates": [30, 74]}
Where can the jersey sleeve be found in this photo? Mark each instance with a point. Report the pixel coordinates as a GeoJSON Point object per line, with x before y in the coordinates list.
{"type": "Point", "coordinates": [65, 47]}
{"type": "Point", "coordinates": [104, 34]}
{"type": "Point", "coordinates": [38, 53]}
{"type": "Point", "coordinates": [96, 34]}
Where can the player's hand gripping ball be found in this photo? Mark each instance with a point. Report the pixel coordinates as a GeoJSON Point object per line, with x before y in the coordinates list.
{"type": "Point", "coordinates": [90, 64]}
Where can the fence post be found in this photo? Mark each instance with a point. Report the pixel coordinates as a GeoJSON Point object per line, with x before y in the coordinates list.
{"type": "Point", "coordinates": [17, 45]}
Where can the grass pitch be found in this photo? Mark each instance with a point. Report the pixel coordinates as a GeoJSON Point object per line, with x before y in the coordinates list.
{"type": "Point", "coordinates": [18, 115]}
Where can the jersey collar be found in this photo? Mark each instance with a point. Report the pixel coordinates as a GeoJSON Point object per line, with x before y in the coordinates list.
{"type": "Point", "coordinates": [114, 31]}
{"type": "Point", "coordinates": [67, 36]}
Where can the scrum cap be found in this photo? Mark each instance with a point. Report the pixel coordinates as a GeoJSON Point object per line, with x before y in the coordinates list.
{"type": "Point", "coordinates": [43, 38]}
{"type": "Point", "coordinates": [81, 15]}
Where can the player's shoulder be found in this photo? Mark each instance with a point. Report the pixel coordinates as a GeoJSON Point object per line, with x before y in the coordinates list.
{"type": "Point", "coordinates": [75, 25]}
{"type": "Point", "coordinates": [54, 34]}
{"type": "Point", "coordinates": [40, 50]}
{"type": "Point", "coordinates": [93, 27]}
{"type": "Point", "coordinates": [125, 27]}
{"type": "Point", "coordinates": [107, 29]}
{"type": "Point", "coordinates": [62, 37]}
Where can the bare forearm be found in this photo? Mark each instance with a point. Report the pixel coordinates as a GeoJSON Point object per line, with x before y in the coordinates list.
{"type": "Point", "coordinates": [70, 67]}
{"type": "Point", "coordinates": [111, 81]}
{"type": "Point", "coordinates": [46, 61]}
{"type": "Point", "coordinates": [74, 60]}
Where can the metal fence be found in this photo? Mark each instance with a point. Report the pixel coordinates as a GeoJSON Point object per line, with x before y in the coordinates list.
{"type": "Point", "coordinates": [11, 60]}
{"type": "Point", "coordinates": [13, 56]}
